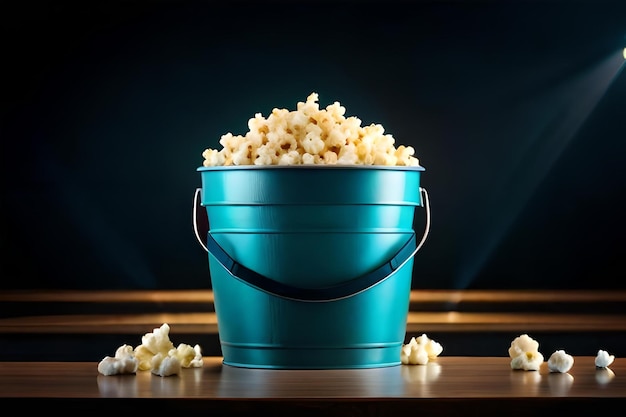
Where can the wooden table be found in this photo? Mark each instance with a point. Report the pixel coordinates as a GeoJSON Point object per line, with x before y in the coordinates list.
{"type": "Point", "coordinates": [463, 386]}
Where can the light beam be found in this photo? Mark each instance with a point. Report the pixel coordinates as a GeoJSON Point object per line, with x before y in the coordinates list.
{"type": "Point", "coordinates": [558, 115]}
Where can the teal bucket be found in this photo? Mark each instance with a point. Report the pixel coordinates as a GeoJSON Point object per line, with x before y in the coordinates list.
{"type": "Point", "coordinates": [311, 266]}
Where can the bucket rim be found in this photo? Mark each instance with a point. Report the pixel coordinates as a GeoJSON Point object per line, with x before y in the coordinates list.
{"type": "Point", "coordinates": [312, 167]}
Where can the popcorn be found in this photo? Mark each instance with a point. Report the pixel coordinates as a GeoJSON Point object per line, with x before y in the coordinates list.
{"type": "Point", "coordinates": [158, 343]}
{"type": "Point", "coordinates": [560, 361]}
{"type": "Point", "coordinates": [171, 362]}
{"type": "Point", "coordinates": [527, 361]}
{"type": "Point", "coordinates": [524, 353]}
{"type": "Point", "coordinates": [165, 364]}
{"type": "Point", "coordinates": [190, 357]}
{"type": "Point", "coordinates": [156, 353]}
{"type": "Point", "coordinates": [521, 344]}
{"type": "Point", "coordinates": [152, 343]}
{"type": "Point", "coordinates": [419, 351]}
{"type": "Point", "coordinates": [124, 362]}
{"type": "Point", "coordinates": [310, 136]}
{"type": "Point", "coordinates": [603, 359]}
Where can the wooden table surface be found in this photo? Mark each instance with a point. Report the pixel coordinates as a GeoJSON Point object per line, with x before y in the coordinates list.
{"type": "Point", "coordinates": [448, 386]}
{"type": "Point", "coordinates": [50, 342]}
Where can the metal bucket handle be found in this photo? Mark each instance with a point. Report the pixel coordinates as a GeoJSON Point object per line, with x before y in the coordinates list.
{"type": "Point", "coordinates": [336, 292]}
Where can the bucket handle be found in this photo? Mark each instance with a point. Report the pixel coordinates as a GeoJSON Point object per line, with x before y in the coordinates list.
{"type": "Point", "coordinates": [333, 293]}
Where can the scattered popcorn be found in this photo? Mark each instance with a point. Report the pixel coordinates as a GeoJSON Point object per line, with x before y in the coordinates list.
{"type": "Point", "coordinates": [152, 343]}
{"type": "Point", "coordinates": [560, 361]}
{"type": "Point", "coordinates": [310, 135]}
{"type": "Point", "coordinates": [527, 361]}
{"type": "Point", "coordinates": [124, 362]}
{"type": "Point", "coordinates": [419, 351]}
{"type": "Point", "coordinates": [156, 353]}
{"type": "Point", "coordinates": [522, 344]}
{"type": "Point", "coordinates": [524, 353]}
{"type": "Point", "coordinates": [413, 354]}
{"type": "Point", "coordinates": [190, 357]}
{"type": "Point", "coordinates": [165, 364]}
{"type": "Point", "coordinates": [603, 359]}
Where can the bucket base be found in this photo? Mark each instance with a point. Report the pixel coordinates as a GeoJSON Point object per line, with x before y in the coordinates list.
{"type": "Point", "coordinates": [311, 358]}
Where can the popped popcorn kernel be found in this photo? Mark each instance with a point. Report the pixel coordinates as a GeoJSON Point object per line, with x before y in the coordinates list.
{"type": "Point", "coordinates": [420, 350]}
{"type": "Point", "coordinates": [604, 359]}
{"type": "Point", "coordinates": [527, 361]}
{"type": "Point", "coordinates": [560, 361]}
{"type": "Point", "coordinates": [124, 362]}
{"type": "Point", "coordinates": [190, 357]}
{"type": "Point", "coordinates": [158, 341]}
{"type": "Point", "coordinates": [310, 135]}
{"type": "Point", "coordinates": [165, 364]}
{"type": "Point", "coordinates": [524, 353]}
{"type": "Point", "coordinates": [521, 344]}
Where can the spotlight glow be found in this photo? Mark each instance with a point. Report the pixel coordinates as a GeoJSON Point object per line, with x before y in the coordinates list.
{"type": "Point", "coordinates": [559, 112]}
{"type": "Point", "coordinates": [624, 53]}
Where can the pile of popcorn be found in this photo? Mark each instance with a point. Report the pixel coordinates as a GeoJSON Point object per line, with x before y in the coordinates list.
{"type": "Point", "coordinates": [525, 355]}
{"type": "Point", "coordinates": [156, 353]}
{"type": "Point", "coordinates": [310, 135]}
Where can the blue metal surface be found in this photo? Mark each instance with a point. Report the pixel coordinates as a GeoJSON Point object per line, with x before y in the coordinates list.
{"type": "Point", "coordinates": [311, 228]}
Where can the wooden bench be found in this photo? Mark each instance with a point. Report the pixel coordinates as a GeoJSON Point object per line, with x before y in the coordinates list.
{"type": "Point", "coordinates": [87, 325]}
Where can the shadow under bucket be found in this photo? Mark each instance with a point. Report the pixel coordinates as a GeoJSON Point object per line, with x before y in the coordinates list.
{"type": "Point", "coordinates": [311, 266]}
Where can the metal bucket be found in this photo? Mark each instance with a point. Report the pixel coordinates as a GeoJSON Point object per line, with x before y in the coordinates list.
{"type": "Point", "coordinates": [311, 266]}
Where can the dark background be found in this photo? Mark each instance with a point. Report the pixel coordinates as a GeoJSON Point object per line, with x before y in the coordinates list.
{"type": "Point", "coordinates": [515, 109]}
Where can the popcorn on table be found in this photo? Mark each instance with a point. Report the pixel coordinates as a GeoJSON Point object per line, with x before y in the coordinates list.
{"type": "Point", "coordinates": [420, 350]}
{"type": "Point", "coordinates": [124, 362]}
{"type": "Point", "coordinates": [165, 365]}
{"type": "Point", "coordinates": [155, 353]}
{"type": "Point", "coordinates": [560, 361]}
{"type": "Point", "coordinates": [524, 353]}
{"type": "Point", "coordinates": [604, 359]}
{"type": "Point", "coordinates": [310, 136]}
